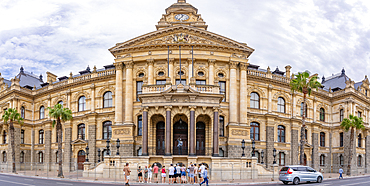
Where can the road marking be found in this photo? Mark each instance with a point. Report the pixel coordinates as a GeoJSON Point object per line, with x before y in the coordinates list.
{"type": "Point", "coordinates": [64, 183]}
{"type": "Point", "coordinates": [357, 183]}
{"type": "Point", "coordinates": [28, 180]}
{"type": "Point", "coordinates": [16, 183]}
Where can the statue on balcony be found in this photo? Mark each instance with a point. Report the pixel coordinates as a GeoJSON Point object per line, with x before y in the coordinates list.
{"type": "Point", "coordinates": [179, 145]}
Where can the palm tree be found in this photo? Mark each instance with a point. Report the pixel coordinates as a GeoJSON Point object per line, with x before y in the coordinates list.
{"type": "Point", "coordinates": [352, 123]}
{"type": "Point", "coordinates": [304, 83]}
{"type": "Point", "coordinates": [12, 115]}
{"type": "Point", "coordinates": [60, 114]}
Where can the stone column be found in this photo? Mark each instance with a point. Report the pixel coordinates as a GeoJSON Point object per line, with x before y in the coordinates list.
{"type": "Point", "coordinates": [233, 98]}
{"type": "Point", "coordinates": [295, 145]}
{"type": "Point", "coordinates": [92, 105]}
{"type": "Point", "coordinates": [367, 153]}
{"type": "Point", "coordinates": [293, 104]}
{"type": "Point", "coordinates": [215, 132]}
{"type": "Point", "coordinates": [192, 131]}
{"type": "Point", "coordinates": [314, 110]}
{"type": "Point", "coordinates": [150, 71]}
{"type": "Point", "coordinates": [270, 136]}
{"type": "Point", "coordinates": [190, 61]}
{"type": "Point", "coordinates": [243, 94]}
{"type": "Point", "coordinates": [119, 94]}
{"type": "Point", "coordinates": [47, 140]}
{"type": "Point", "coordinates": [269, 104]}
{"type": "Point", "coordinates": [129, 93]}
{"type": "Point", "coordinates": [211, 75]}
{"type": "Point", "coordinates": [32, 147]}
{"type": "Point", "coordinates": [145, 131]}
{"type": "Point", "coordinates": [173, 78]}
{"type": "Point", "coordinates": [67, 154]}
{"type": "Point", "coordinates": [92, 142]}
{"type": "Point", "coordinates": [168, 131]}
{"type": "Point", "coordinates": [315, 150]}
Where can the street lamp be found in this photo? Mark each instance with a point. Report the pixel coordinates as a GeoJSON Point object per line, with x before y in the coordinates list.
{"type": "Point", "coordinates": [108, 152]}
{"type": "Point", "coordinates": [87, 153]}
{"type": "Point", "coordinates": [243, 147]}
{"type": "Point", "coordinates": [274, 156]}
{"type": "Point", "coordinates": [117, 145]}
{"type": "Point", "coordinates": [99, 155]}
{"type": "Point", "coordinates": [253, 147]}
{"type": "Point", "coordinates": [262, 154]}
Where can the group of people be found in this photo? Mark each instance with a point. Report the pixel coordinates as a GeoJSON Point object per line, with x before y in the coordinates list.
{"type": "Point", "coordinates": [176, 174]}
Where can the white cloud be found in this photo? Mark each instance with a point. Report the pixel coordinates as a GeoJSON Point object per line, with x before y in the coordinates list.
{"type": "Point", "coordinates": [66, 35]}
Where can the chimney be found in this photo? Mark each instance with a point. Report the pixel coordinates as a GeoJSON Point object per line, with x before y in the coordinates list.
{"type": "Point", "coordinates": [51, 77]}
{"type": "Point", "coordinates": [287, 71]}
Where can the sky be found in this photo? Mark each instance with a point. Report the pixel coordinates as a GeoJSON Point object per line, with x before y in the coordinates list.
{"type": "Point", "coordinates": [63, 36]}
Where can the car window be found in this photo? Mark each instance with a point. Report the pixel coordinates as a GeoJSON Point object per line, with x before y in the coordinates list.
{"type": "Point", "coordinates": [309, 169]}
{"type": "Point", "coordinates": [303, 169]}
{"type": "Point", "coordinates": [294, 168]}
{"type": "Point", "coordinates": [284, 169]}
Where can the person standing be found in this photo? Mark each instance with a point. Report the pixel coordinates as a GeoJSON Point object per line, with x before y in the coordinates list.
{"type": "Point", "coordinates": [195, 173]}
{"type": "Point", "coordinates": [127, 171]}
{"type": "Point", "coordinates": [171, 174]}
{"type": "Point", "coordinates": [156, 174]}
{"type": "Point", "coordinates": [205, 177]}
{"type": "Point", "coordinates": [178, 173]}
{"type": "Point", "coordinates": [146, 174]}
{"type": "Point", "coordinates": [140, 174]}
{"type": "Point", "coordinates": [150, 174]}
{"type": "Point", "coordinates": [191, 174]}
{"type": "Point", "coordinates": [164, 174]}
{"type": "Point", "coordinates": [202, 168]}
{"type": "Point", "coordinates": [183, 174]}
{"type": "Point", "coordinates": [340, 173]}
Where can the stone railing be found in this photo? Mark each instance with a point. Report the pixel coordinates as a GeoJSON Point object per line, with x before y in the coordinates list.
{"type": "Point", "coordinates": [153, 88]}
{"type": "Point", "coordinates": [251, 72]}
{"type": "Point", "coordinates": [281, 78]}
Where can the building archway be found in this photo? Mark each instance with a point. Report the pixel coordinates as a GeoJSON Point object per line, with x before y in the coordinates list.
{"type": "Point", "coordinates": [180, 131]}
{"type": "Point", "coordinates": [81, 159]}
{"type": "Point", "coordinates": [200, 138]}
{"type": "Point", "coordinates": [160, 138]}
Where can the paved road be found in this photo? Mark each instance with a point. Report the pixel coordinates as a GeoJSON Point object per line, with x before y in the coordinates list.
{"type": "Point", "coordinates": [10, 180]}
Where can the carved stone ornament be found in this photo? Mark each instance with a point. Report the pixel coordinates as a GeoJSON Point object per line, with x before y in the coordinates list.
{"type": "Point", "coordinates": [122, 131]}
{"type": "Point", "coordinates": [119, 66]}
{"type": "Point", "coordinates": [233, 64]}
{"type": "Point", "coordinates": [180, 38]}
{"type": "Point", "coordinates": [129, 64]}
{"type": "Point", "coordinates": [243, 66]}
{"type": "Point", "coordinates": [240, 56]}
{"type": "Point", "coordinates": [239, 132]}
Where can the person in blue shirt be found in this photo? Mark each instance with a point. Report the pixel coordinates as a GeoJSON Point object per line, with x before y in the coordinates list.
{"type": "Point", "coordinates": [205, 177]}
{"type": "Point", "coordinates": [340, 173]}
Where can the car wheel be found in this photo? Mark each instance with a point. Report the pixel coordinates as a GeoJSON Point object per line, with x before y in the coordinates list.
{"type": "Point", "coordinates": [319, 179]}
{"type": "Point", "coordinates": [285, 182]}
{"type": "Point", "coordinates": [295, 181]}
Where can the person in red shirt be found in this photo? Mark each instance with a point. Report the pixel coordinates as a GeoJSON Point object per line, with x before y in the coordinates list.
{"type": "Point", "coordinates": [163, 174]}
{"type": "Point", "coordinates": [155, 171]}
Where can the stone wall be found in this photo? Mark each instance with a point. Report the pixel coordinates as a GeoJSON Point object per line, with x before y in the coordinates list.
{"type": "Point", "coordinates": [270, 133]}
{"type": "Point", "coordinates": [92, 143]}
{"type": "Point", "coordinates": [315, 151]}
{"type": "Point", "coordinates": [294, 147]}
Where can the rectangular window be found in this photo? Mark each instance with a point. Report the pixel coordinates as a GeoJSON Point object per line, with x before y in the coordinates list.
{"type": "Point", "coordinates": [161, 82]}
{"type": "Point", "coordinates": [222, 85]}
{"type": "Point", "coordinates": [22, 136]}
{"type": "Point", "coordinates": [341, 139]}
{"type": "Point", "coordinates": [222, 124]}
{"type": "Point", "coordinates": [139, 89]}
{"type": "Point", "coordinates": [200, 82]}
{"type": "Point", "coordinates": [183, 81]}
{"type": "Point", "coordinates": [359, 114]}
{"type": "Point", "coordinates": [140, 125]}
{"type": "Point", "coordinates": [341, 115]}
{"type": "Point", "coordinates": [281, 159]}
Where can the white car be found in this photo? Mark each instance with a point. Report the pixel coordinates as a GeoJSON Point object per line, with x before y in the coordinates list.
{"type": "Point", "coordinates": [299, 173]}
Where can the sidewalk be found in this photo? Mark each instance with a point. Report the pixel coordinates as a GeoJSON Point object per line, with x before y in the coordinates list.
{"type": "Point", "coordinates": [42, 175]}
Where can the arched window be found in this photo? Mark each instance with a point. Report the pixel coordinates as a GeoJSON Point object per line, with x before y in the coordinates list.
{"type": "Point", "coordinates": [281, 105]}
{"type": "Point", "coordinates": [305, 133]}
{"type": "Point", "coordinates": [42, 112]}
{"type": "Point", "coordinates": [322, 139]}
{"type": "Point", "coordinates": [23, 112]}
{"type": "Point", "coordinates": [108, 100]}
{"type": "Point", "coordinates": [221, 152]}
{"type": "Point", "coordinates": [82, 104]}
{"type": "Point", "coordinates": [255, 100]}
{"type": "Point", "coordinates": [139, 152]}
{"type": "Point", "coordinates": [341, 115]}
{"type": "Point", "coordinates": [305, 115]}
{"type": "Point", "coordinates": [140, 125]}
{"type": "Point", "coordinates": [222, 125]}
{"type": "Point", "coordinates": [341, 139]}
{"type": "Point", "coordinates": [4, 137]}
{"type": "Point", "coordinates": [104, 153]}
{"type": "Point", "coordinates": [81, 131]}
{"type": "Point", "coordinates": [4, 156]}
{"type": "Point", "coordinates": [56, 157]}
{"type": "Point", "coordinates": [257, 155]}
{"type": "Point", "coordinates": [281, 158]}
{"type": "Point", "coordinates": [359, 161]}
{"type": "Point", "coordinates": [255, 131]}
{"type": "Point", "coordinates": [341, 160]}
{"type": "Point", "coordinates": [322, 114]}
{"type": "Point", "coordinates": [21, 158]}
{"type": "Point", "coordinates": [107, 130]}
{"type": "Point", "coordinates": [41, 136]}
{"type": "Point", "coordinates": [22, 136]}
{"type": "Point", "coordinates": [322, 160]}
{"type": "Point", "coordinates": [281, 134]}
{"type": "Point", "coordinates": [60, 102]}
{"type": "Point", "coordinates": [359, 140]}
{"type": "Point", "coordinates": [41, 157]}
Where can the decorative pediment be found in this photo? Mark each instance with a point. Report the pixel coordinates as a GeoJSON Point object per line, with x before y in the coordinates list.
{"type": "Point", "coordinates": [182, 35]}
{"type": "Point", "coordinates": [79, 142]}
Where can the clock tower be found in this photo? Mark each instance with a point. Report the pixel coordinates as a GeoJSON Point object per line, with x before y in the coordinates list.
{"type": "Point", "coordinates": [181, 13]}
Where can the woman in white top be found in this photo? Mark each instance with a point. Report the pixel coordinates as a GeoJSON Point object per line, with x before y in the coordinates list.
{"type": "Point", "coordinates": [195, 173]}
{"type": "Point", "coordinates": [150, 173]}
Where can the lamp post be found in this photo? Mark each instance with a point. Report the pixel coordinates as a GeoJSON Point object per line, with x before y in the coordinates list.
{"type": "Point", "coordinates": [274, 156]}
{"type": "Point", "coordinates": [87, 153]}
{"type": "Point", "coordinates": [262, 154]}
{"type": "Point", "coordinates": [99, 155]}
{"type": "Point", "coordinates": [117, 145]}
{"type": "Point", "coordinates": [243, 147]}
{"type": "Point", "coordinates": [108, 151]}
{"type": "Point", "coordinates": [253, 147]}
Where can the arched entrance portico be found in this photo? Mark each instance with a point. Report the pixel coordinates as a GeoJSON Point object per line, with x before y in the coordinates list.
{"type": "Point", "coordinates": [180, 132]}
{"type": "Point", "coordinates": [160, 138]}
{"type": "Point", "coordinates": [81, 159]}
{"type": "Point", "coordinates": [201, 139]}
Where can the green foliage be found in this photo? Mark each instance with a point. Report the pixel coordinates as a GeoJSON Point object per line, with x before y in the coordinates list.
{"type": "Point", "coordinates": [304, 82]}
{"type": "Point", "coordinates": [12, 115]}
{"type": "Point", "coordinates": [60, 113]}
{"type": "Point", "coordinates": [353, 122]}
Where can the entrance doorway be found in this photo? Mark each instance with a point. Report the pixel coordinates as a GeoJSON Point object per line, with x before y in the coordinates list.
{"type": "Point", "coordinates": [81, 159]}
{"type": "Point", "coordinates": [160, 138]}
{"type": "Point", "coordinates": [180, 131]}
{"type": "Point", "coordinates": [201, 139]}
{"type": "Point", "coordinates": [305, 160]}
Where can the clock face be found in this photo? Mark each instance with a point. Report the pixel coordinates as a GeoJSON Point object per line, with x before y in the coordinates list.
{"type": "Point", "coordinates": [182, 17]}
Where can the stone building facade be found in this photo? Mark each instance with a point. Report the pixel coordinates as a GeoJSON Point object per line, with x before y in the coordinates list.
{"type": "Point", "coordinates": [183, 81]}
